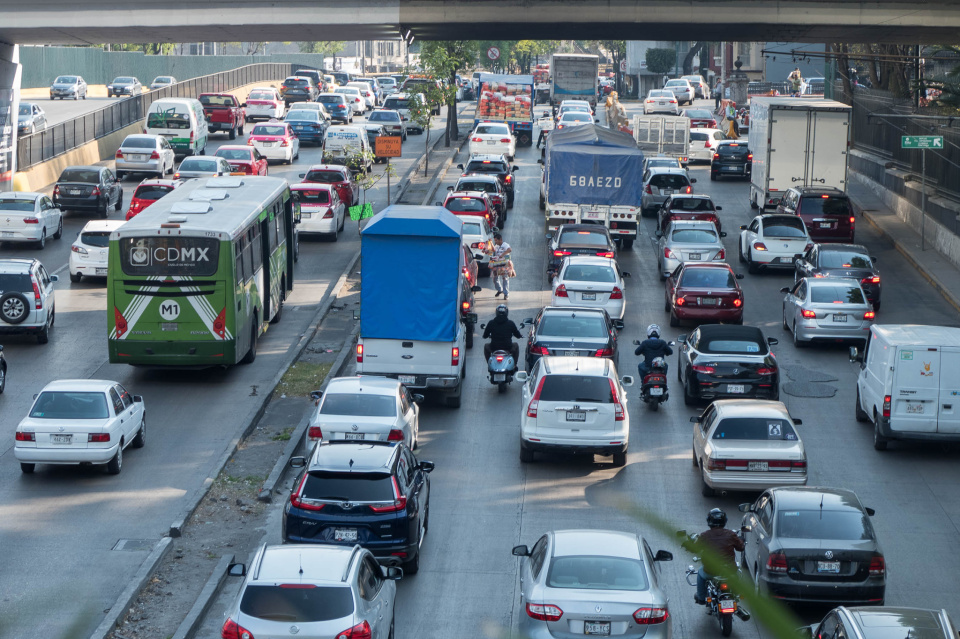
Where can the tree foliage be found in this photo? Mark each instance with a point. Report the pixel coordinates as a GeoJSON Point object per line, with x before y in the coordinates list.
{"type": "Point", "coordinates": [888, 67]}
{"type": "Point", "coordinates": [661, 60]}
{"type": "Point", "coordinates": [443, 59]}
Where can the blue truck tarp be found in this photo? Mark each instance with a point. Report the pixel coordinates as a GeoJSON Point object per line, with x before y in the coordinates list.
{"type": "Point", "coordinates": [410, 274]}
{"type": "Point", "coordinates": [589, 164]}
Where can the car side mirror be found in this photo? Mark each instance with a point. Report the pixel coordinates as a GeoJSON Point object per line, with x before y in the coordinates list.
{"type": "Point", "coordinates": [695, 419]}
{"type": "Point", "coordinates": [693, 180]}
{"type": "Point", "coordinates": [426, 466]}
{"type": "Point", "coordinates": [870, 511]}
{"type": "Point", "coordinates": [625, 274]}
{"type": "Point", "coordinates": [243, 105]}
{"type": "Point", "coordinates": [316, 395]}
{"type": "Point", "coordinates": [658, 233]}
{"type": "Point", "coordinates": [237, 570]}
{"type": "Point", "coordinates": [36, 395]}
{"type": "Point", "coordinates": [540, 161]}
{"type": "Point", "coordinates": [450, 188]}
{"type": "Point", "coordinates": [298, 461]}
{"type": "Point", "coordinates": [528, 320]}
{"type": "Point", "coordinates": [797, 422]}
{"type": "Point", "coordinates": [739, 276]}
{"type": "Point", "coordinates": [855, 355]}
{"type": "Point", "coordinates": [743, 227]}
{"type": "Point", "coordinates": [745, 508]}
{"type": "Point", "coordinates": [54, 278]}
{"type": "Point", "coordinates": [438, 203]}
{"type": "Point", "coordinates": [682, 339]}
{"type": "Point", "coordinates": [785, 289]}
{"type": "Point", "coordinates": [515, 169]}
{"type": "Point", "coordinates": [520, 551]}
{"type": "Point", "coordinates": [521, 376]}
{"type": "Point", "coordinates": [772, 341]}
{"type": "Point", "coordinates": [663, 555]}
{"type": "Point", "coordinates": [393, 573]}
{"type": "Point", "coordinates": [723, 233]}
{"type": "Point", "coordinates": [719, 208]}
{"type": "Point", "coordinates": [136, 398]}
{"type": "Point", "coordinates": [627, 380]}
{"type": "Point", "coordinates": [303, 175]}
{"type": "Point", "coordinates": [617, 324]}
{"type": "Point", "coordinates": [460, 166]}
{"type": "Point", "coordinates": [417, 398]}
{"type": "Point", "coordinates": [805, 632]}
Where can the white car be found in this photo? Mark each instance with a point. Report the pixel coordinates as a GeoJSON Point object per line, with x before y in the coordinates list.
{"type": "Point", "coordinates": [29, 217]}
{"type": "Point", "coordinates": [575, 105]}
{"type": "Point", "coordinates": [661, 101]}
{"type": "Point", "coordinates": [80, 421]}
{"type": "Point", "coordinates": [574, 405]}
{"type": "Point", "coordinates": [704, 143]}
{"type": "Point", "coordinates": [493, 137]}
{"type": "Point", "coordinates": [369, 97]}
{"type": "Point", "coordinates": [263, 103]}
{"type": "Point", "coordinates": [354, 98]}
{"type": "Point", "coordinates": [688, 241]}
{"type": "Point", "coordinates": [88, 255]}
{"type": "Point", "coordinates": [574, 118]}
{"type": "Point", "coordinates": [773, 241]}
{"type": "Point", "coordinates": [365, 407]}
{"type": "Point", "coordinates": [275, 141]}
{"type": "Point", "coordinates": [477, 235]}
{"type": "Point", "coordinates": [140, 153]}
{"type": "Point", "coordinates": [682, 89]}
{"type": "Point", "coordinates": [590, 281]}
{"type": "Point", "coordinates": [747, 444]}
{"type": "Point", "coordinates": [321, 211]}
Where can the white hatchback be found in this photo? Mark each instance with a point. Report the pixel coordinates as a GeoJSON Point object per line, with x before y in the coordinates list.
{"type": "Point", "coordinates": [365, 407]}
{"type": "Point", "coordinates": [88, 255]}
{"type": "Point", "coordinates": [493, 137]}
{"type": "Point", "coordinates": [590, 281]}
{"type": "Point", "coordinates": [354, 98]}
{"type": "Point", "coordinates": [80, 421]}
{"type": "Point", "coordinates": [574, 405]}
{"type": "Point", "coordinates": [29, 217]}
{"type": "Point", "coordinates": [263, 103]}
{"type": "Point", "coordinates": [773, 241]}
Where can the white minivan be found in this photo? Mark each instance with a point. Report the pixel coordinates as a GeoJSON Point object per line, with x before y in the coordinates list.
{"type": "Point", "coordinates": [181, 122]}
{"type": "Point", "coordinates": [909, 383]}
{"type": "Point", "coordinates": [347, 145]}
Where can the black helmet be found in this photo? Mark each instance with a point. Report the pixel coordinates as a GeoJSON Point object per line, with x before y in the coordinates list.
{"type": "Point", "coordinates": [716, 518]}
{"type": "Point", "coordinates": [502, 311]}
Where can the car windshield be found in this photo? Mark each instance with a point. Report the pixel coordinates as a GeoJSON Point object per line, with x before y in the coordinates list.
{"type": "Point", "coordinates": [16, 204]}
{"type": "Point", "coordinates": [261, 95]}
{"type": "Point", "coordinates": [234, 154]}
{"type": "Point", "coordinates": [578, 238]}
{"type": "Point", "coordinates": [846, 525]}
{"type": "Point", "coordinates": [151, 191]}
{"type": "Point", "coordinates": [692, 204]}
{"type": "Point", "coordinates": [348, 486]}
{"type": "Point", "coordinates": [693, 236]}
{"type": "Point", "coordinates": [589, 273]}
{"type": "Point", "coordinates": [100, 239]}
{"type": "Point", "coordinates": [836, 294]}
{"type": "Point", "coordinates": [493, 129]}
{"type": "Point", "coordinates": [576, 388]}
{"type": "Point", "coordinates": [217, 100]}
{"type": "Point", "coordinates": [755, 428]}
{"type": "Point", "coordinates": [844, 259]}
{"type": "Point", "coordinates": [465, 205]}
{"type": "Point", "coordinates": [669, 181]}
{"type": "Point", "coordinates": [311, 196]}
{"type": "Point", "coordinates": [124, 81]}
{"type": "Point", "coordinates": [266, 129]}
{"type": "Point", "coordinates": [786, 226]}
{"type": "Point", "coordinates": [297, 603]}
{"type": "Point", "coordinates": [731, 346]}
{"type": "Point", "coordinates": [24, 109]}
{"type": "Point", "coordinates": [735, 151]}
{"type": "Point", "coordinates": [304, 115]}
{"type": "Point", "coordinates": [70, 405]}
{"type": "Point", "coordinates": [576, 116]}
{"type": "Point", "coordinates": [360, 405]}
{"type": "Point", "coordinates": [699, 136]}
{"type": "Point", "coordinates": [383, 116]}
{"type": "Point", "coordinates": [139, 143]}
{"type": "Point", "coordinates": [597, 573]}
{"type": "Point", "coordinates": [583, 325]}
{"type": "Point", "coordinates": [817, 205]}
{"type": "Point", "coordinates": [322, 176]}
{"type": "Point", "coordinates": [296, 83]}
{"type": "Point", "coordinates": [198, 164]}
{"type": "Point", "coordinates": [90, 176]}
{"type": "Point", "coordinates": [715, 278]}
{"type": "Point", "coordinates": [66, 79]}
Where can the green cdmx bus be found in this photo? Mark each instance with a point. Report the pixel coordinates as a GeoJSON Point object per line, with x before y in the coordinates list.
{"type": "Point", "coordinates": [196, 277]}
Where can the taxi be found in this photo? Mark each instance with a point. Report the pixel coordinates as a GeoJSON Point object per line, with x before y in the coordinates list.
{"type": "Point", "coordinates": [321, 211]}
{"type": "Point", "coordinates": [263, 103]}
{"type": "Point", "coordinates": [148, 192]}
{"type": "Point", "coordinates": [472, 203]}
{"type": "Point", "coordinates": [244, 160]}
{"type": "Point", "coordinates": [337, 176]}
{"type": "Point", "coordinates": [275, 141]}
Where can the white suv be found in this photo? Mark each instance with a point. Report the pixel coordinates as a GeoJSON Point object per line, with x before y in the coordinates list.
{"type": "Point", "coordinates": [314, 590]}
{"type": "Point", "coordinates": [88, 255]}
{"type": "Point", "coordinates": [26, 303]}
{"type": "Point", "coordinates": [574, 405]}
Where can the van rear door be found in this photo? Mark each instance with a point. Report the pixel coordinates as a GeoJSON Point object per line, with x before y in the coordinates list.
{"type": "Point", "coordinates": [949, 416]}
{"type": "Point", "coordinates": [916, 390]}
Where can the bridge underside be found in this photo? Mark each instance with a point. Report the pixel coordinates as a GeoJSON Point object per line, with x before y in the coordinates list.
{"type": "Point", "coordinates": [135, 21]}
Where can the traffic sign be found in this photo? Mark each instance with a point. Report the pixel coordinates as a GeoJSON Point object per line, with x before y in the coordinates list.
{"type": "Point", "coordinates": [387, 146]}
{"type": "Point", "coordinates": [623, 66]}
{"type": "Point", "coordinates": [921, 142]}
{"type": "Point", "coordinates": [493, 53]}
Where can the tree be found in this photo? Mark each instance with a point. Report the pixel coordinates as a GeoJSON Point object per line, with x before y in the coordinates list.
{"type": "Point", "coordinates": [661, 60]}
{"type": "Point", "coordinates": [443, 59]}
{"type": "Point", "coordinates": [698, 49]}
{"type": "Point", "coordinates": [524, 52]}
{"type": "Point", "coordinates": [420, 107]}
{"type": "Point", "coordinates": [617, 49]}
{"type": "Point", "coordinates": [325, 48]}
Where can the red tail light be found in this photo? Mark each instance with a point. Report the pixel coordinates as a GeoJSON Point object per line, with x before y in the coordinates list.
{"type": "Point", "coordinates": [544, 612]}
{"type": "Point", "coordinates": [766, 370]}
{"type": "Point", "coordinates": [118, 154]}
{"type": "Point", "coordinates": [396, 435]}
{"type": "Point", "coordinates": [871, 280]}
{"type": "Point", "coordinates": [499, 358]}
{"type": "Point", "coordinates": [539, 350]}
{"type": "Point", "coordinates": [36, 294]}
{"type": "Point", "coordinates": [727, 605]}
{"type": "Point", "coordinates": [455, 356]}
{"type": "Point", "coordinates": [680, 301]}
{"type": "Point", "coordinates": [250, 142]}
{"type": "Point", "coordinates": [667, 252]}
{"type": "Point", "coordinates": [232, 630]}
{"type": "Point", "coordinates": [359, 631]}
{"type": "Point", "coordinates": [314, 433]}
{"type": "Point", "coordinates": [476, 139]}
{"type": "Point", "coordinates": [716, 156]}
{"type": "Point", "coordinates": [706, 144]}
{"type": "Point", "coordinates": [155, 155]}
{"type": "Point", "coordinates": [689, 190]}
{"type": "Point", "coordinates": [56, 190]}
{"type": "Point", "coordinates": [749, 157]}
{"type": "Point", "coordinates": [605, 254]}
{"type": "Point", "coordinates": [717, 464]}
{"type": "Point", "coordinates": [704, 368]}
{"type": "Point", "coordinates": [328, 215]}
{"type": "Point", "coordinates": [760, 246]}
{"type": "Point", "coordinates": [617, 294]}
{"type": "Point", "coordinates": [26, 437]}
{"type": "Point", "coordinates": [176, 176]}
{"type": "Point", "coordinates": [505, 140]}
{"type": "Point", "coordinates": [192, 133]}
{"type": "Point", "coordinates": [738, 302]}
{"type": "Point", "coordinates": [465, 305]}
{"type": "Point", "coordinates": [509, 179]}
{"type": "Point", "coordinates": [777, 562]}
{"type": "Point", "coordinates": [649, 189]}
{"type": "Point", "coordinates": [284, 142]}
{"type": "Point", "coordinates": [852, 220]}
{"type": "Point", "coordinates": [721, 254]}
{"type": "Point", "coordinates": [561, 291]}
{"type": "Point", "coordinates": [98, 438]}
{"type": "Point", "coordinates": [878, 566]}
{"type": "Point", "coordinates": [650, 616]}
{"type": "Point", "coordinates": [31, 220]}
{"type": "Point", "coordinates": [799, 465]}
{"type": "Point", "coordinates": [297, 502]}
{"type": "Point", "coordinates": [604, 352]}
{"type": "Point", "coordinates": [535, 403]}
{"type": "Point", "coordinates": [399, 501]}
{"type": "Point", "coordinates": [617, 406]}
{"type": "Point", "coordinates": [886, 406]}
{"type": "Point", "coordinates": [95, 191]}
{"type": "Point", "coordinates": [559, 253]}
{"type": "Point", "coordinates": [359, 353]}
{"type": "Point", "coordinates": [869, 315]}
{"type": "Point", "coordinates": [808, 314]}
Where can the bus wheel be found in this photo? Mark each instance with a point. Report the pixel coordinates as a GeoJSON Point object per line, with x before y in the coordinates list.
{"type": "Point", "coordinates": [254, 334]}
{"type": "Point", "coordinates": [279, 314]}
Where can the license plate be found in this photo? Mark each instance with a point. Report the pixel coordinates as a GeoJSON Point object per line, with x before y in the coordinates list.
{"type": "Point", "coordinates": [708, 301]}
{"type": "Point", "coordinates": [588, 296]}
{"type": "Point", "coordinates": [168, 326]}
{"type": "Point", "coordinates": [914, 408]}
{"type": "Point", "coordinates": [6, 233]}
{"type": "Point", "coordinates": [353, 435]}
{"type": "Point", "coordinates": [828, 566]}
{"type": "Point", "coordinates": [345, 534]}
{"type": "Point", "coordinates": [267, 143]}
{"type": "Point", "coordinates": [137, 158]}
{"type": "Point", "coordinates": [825, 225]}
{"type": "Point", "coordinates": [839, 317]}
{"type": "Point", "coordinates": [491, 142]}
{"type": "Point", "coordinates": [576, 416]}
{"type": "Point", "coordinates": [662, 103]}
{"type": "Point", "coordinates": [735, 388]}
{"type": "Point", "coordinates": [758, 466]}
{"type": "Point", "coordinates": [499, 377]}
{"type": "Point", "coordinates": [61, 439]}
{"type": "Point", "coordinates": [305, 216]}
{"type": "Point", "coordinates": [667, 191]}
{"type": "Point", "coordinates": [100, 271]}
{"type": "Point", "coordinates": [591, 215]}
{"type": "Point", "coordinates": [596, 628]}
{"type": "Point", "coordinates": [74, 191]}
{"type": "Point", "coordinates": [407, 379]}
{"type": "Point", "coordinates": [656, 391]}
{"type": "Point", "coordinates": [694, 256]}
{"type": "Point", "coordinates": [571, 353]}
{"type": "Point", "coordinates": [730, 168]}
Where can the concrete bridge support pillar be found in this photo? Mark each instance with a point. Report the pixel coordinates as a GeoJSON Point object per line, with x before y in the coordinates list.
{"type": "Point", "coordinates": [9, 106]}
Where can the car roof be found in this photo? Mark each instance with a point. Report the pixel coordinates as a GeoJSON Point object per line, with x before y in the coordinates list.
{"type": "Point", "coordinates": [570, 310]}
{"type": "Point", "coordinates": [84, 166]}
{"type": "Point", "coordinates": [393, 111]}
{"type": "Point", "coordinates": [720, 331]}
{"type": "Point", "coordinates": [327, 167]}
{"type": "Point", "coordinates": [819, 190]}
{"type": "Point", "coordinates": [606, 543]}
{"type": "Point", "coordinates": [831, 281]}
{"type": "Point", "coordinates": [313, 186]}
{"type": "Point", "coordinates": [16, 264]}
{"type": "Point", "coordinates": [234, 147]}
{"type": "Point", "coordinates": [684, 196]}
{"type": "Point", "coordinates": [365, 384]}
{"type": "Point", "coordinates": [858, 248]}
{"type": "Point", "coordinates": [485, 157]}
{"type": "Point", "coordinates": [329, 93]}
{"type": "Point", "coordinates": [889, 622]}
{"type": "Point", "coordinates": [583, 366]}
{"type": "Point", "coordinates": [730, 142]}
{"type": "Point", "coordinates": [593, 228]}
{"type": "Point", "coordinates": [476, 195]}
{"type": "Point", "coordinates": [102, 225]}
{"type": "Point", "coordinates": [590, 260]}
{"type": "Point", "coordinates": [298, 563]}
{"type": "Point", "coordinates": [20, 195]}
{"type": "Point", "coordinates": [814, 496]}
{"type": "Point", "coordinates": [698, 265]}
{"type": "Point", "coordinates": [693, 224]}
{"type": "Point", "coordinates": [480, 177]}
{"type": "Point", "coordinates": [165, 181]}
{"type": "Point", "coordinates": [357, 457]}
{"type": "Point", "coordinates": [751, 408]}
{"type": "Point", "coordinates": [675, 170]}
{"type": "Point", "coordinates": [80, 385]}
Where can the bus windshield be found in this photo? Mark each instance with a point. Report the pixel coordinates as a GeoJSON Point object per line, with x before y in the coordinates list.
{"type": "Point", "coordinates": [169, 256]}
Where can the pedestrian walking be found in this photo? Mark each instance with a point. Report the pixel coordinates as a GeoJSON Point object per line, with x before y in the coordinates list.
{"type": "Point", "coordinates": [501, 266]}
{"type": "Point", "coordinates": [717, 95]}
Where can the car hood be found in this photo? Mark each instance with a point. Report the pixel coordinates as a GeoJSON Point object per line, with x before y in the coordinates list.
{"type": "Point", "coordinates": [68, 425]}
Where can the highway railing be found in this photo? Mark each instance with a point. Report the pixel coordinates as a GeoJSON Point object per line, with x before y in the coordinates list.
{"type": "Point", "coordinates": [71, 134]}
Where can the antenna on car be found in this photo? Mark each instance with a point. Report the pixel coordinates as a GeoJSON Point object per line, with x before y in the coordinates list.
{"type": "Point", "coordinates": [300, 558]}
{"type": "Point", "coordinates": [351, 463]}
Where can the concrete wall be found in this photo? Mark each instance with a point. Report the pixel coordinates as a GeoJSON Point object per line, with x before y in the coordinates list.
{"type": "Point", "coordinates": [42, 64]}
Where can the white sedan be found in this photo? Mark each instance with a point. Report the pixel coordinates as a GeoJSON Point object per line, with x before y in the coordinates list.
{"type": "Point", "coordinates": [263, 103]}
{"type": "Point", "coordinates": [365, 407]}
{"type": "Point", "coordinates": [321, 211]}
{"type": "Point", "coordinates": [574, 118]}
{"type": "Point", "coordinates": [493, 137]}
{"type": "Point", "coordinates": [772, 241]}
{"type": "Point", "coordinates": [80, 421]}
{"type": "Point", "coordinates": [29, 217]}
{"type": "Point", "coordinates": [661, 101]}
{"type": "Point", "coordinates": [590, 281]}
{"type": "Point", "coordinates": [88, 255]}
{"type": "Point", "coordinates": [354, 98]}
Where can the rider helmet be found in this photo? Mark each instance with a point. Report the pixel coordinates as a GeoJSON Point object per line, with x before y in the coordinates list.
{"type": "Point", "coordinates": [716, 518]}
{"type": "Point", "coordinates": [653, 331]}
{"type": "Point", "coordinates": [502, 311]}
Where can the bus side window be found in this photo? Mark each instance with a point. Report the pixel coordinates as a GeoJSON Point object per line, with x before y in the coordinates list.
{"type": "Point", "coordinates": [257, 247]}
{"type": "Point", "coordinates": [283, 215]}
{"type": "Point", "coordinates": [272, 233]}
{"type": "Point", "coordinates": [248, 263]}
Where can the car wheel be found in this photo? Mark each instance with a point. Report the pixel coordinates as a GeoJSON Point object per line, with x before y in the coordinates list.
{"type": "Point", "coordinates": [254, 335]}
{"type": "Point", "coordinates": [119, 204]}
{"type": "Point", "coordinates": [13, 307]}
{"type": "Point", "coordinates": [140, 439]}
{"type": "Point", "coordinates": [3, 378]}
{"type": "Point", "coordinates": [674, 320]}
{"type": "Point", "coordinates": [876, 306]}
{"type": "Point", "coordinates": [862, 415]}
{"type": "Point", "coordinates": [879, 441]}
{"type": "Point", "coordinates": [696, 463]}
{"type": "Point", "coordinates": [666, 306]}
{"type": "Point", "coordinates": [713, 176]}
{"type": "Point", "coordinates": [797, 343]}
{"type": "Point", "coordinates": [233, 133]}
{"type": "Point", "coordinates": [752, 267]}
{"type": "Point", "coordinates": [786, 326]}
{"type": "Point", "coordinates": [526, 455]}
{"type": "Point", "coordinates": [115, 465]}
{"type": "Point", "coordinates": [76, 277]}
{"type": "Point", "coordinates": [102, 212]}
{"type": "Point", "coordinates": [705, 489]}
{"type": "Point", "coordinates": [42, 242]}
{"type": "Point", "coordinates": [44, 335]}
{"type": "Point", "coordinates": [740, 252]}
{"type": "Point", "coordinates": [620, 459]}
{"type": "Point", "coordinates": [25, 468]}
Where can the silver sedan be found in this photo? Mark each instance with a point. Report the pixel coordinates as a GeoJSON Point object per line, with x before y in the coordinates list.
{"type": "Point", "coordinates": [592, 582]}
{"type": "Point", "coordinates": [197, 166]}
{"type": "Point", "coordinates": [688, 241]}
{"type": "Point", "coordinates": [826, 309]}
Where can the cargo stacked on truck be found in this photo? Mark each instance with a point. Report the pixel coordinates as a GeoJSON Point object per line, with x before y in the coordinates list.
{"type": "Point", "coordinates": [508, 99]}
{"type": "Point", "coordinates": [592, 175]}
{"type": "Point", "coordinates": [411, 288]}
{"type": "Point", "coordinates": [796, 142]}
{"type": "Point", "coordinates": [662, 135]}
{"type": "Point", "coordinates": [574, 77]}
{"type": "Point", "coordinates": [541, 83]}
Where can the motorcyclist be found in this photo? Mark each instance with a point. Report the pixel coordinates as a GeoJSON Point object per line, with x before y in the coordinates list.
{"type": "Point", "coordinates": [501, 330]}
{"type": "Point", "coordinates": [651, 348]}
{"type": "Point", "coordinates": [723, 542]}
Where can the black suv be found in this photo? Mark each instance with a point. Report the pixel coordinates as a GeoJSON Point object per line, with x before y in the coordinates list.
{"type": "Point", "coordinates": [492, 165]}
{"type": "Point", "coordinates": [375, 494]}
{"type": "Point", "coordinates": [731, 159]}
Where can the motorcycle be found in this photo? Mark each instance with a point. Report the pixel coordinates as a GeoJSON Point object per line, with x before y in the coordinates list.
{"type": "Point", "coordinates": [653, 388]}
{"type": "Point", "coordinates": [501, 366]}
{"type": "Point", "coordinates": [721, 602]}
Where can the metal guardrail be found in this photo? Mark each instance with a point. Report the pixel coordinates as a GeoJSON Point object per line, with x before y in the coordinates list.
{"type": "Point", "coordinates": [70, 134]}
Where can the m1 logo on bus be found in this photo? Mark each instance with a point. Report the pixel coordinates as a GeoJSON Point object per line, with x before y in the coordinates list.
{"type": "Point", "coordinates": [169, 310]}
{"type": "Point", "coordinates": [142, 256]}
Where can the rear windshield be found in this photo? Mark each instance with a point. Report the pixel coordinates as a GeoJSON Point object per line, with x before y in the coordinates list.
{"type": "Point", "coordinates": [707, 278]}
{"type": "Point", "coordinates": [261, 95]}
{"type": "Point", "coordinates": [590, 273]}
{"type": "Point", "coordinates": [15, 282]}
{"type": "Point", "coordinates": [361, 405]}
{"type": "Point", "coordinates": [383, 116]}
{"type": "Point", "coordinates": [163, 78]}
{"type": "Point", "coordinates": [676, 83]}
{"type": "Point", "coordinates": [151, 191]}
{"type": "Point", "coordinates": [332, 99]}
{"type": "Point", "coordinates": [699, 113]}
{"type": "Point", "coordinates": [348, 486]}
{"type": "Point", "coordinates": [661, 94]}
{"type": "Point", "coordinates": [736, 151]}
{"type": "Point", "coordinates": [168, 120]}
{"type": "Point", "coordinates": [70, 405]}
{"type": "Point", "coordinates": [696, 135]}
{"type": "Point", "coordinates": [266, 129]}
{"type": "Point", "coordinates": [493, 128]}
{"type": "Point", "coordinates": [296, 83]}
{"type": "Point", "coordinates": [694, 236]}
{"type": "Point", "coordinates": [816, 205]}
{"type": "Point", "coordinates": [597, 573]}
{"type": "Point", "coordinates": [465, 205]}
{"type": "Point", "coordinates": [486, 167]}
{"type": "Point", "coordinates": [691, 204]}
{"type": "Point", "coordinates": [836, 295]}
{"type": "Point", "coordinates": [233, 154]}
{"type": "Point", "coordinates": [311, 196]}
{"type": "Point", "coordinates": [787, 226]}
{"type": "Point", "coordinates": [217, 100]}
{"type": "Point", "coordinates": [576, 116]}
{"type": "Point", "coordinates": [823, 524]}
{"type": "Point", "coordinates": [585, 325]}
{"type": "Point", "coordinates": [299, 603]}
{"type": "Point", "coordinates": [755, 428]}
{"type": "Point", "coordinates": [472, 229]}
{"type": "Point", "coordinates": [139, 143]}
{"type": "Point", "coordinates": [669, 181]}
{"type": "Point", "coordinates": [10, 204]}
{"type": "Point", "coordinates": [396, 103]}
{"type": "Point", "coordinates": [303, 115]}
{"type": "Point", "coordinates": [576, 388]}
{"type": "Point", "coordinates": [583, 237]}
{"type": "Point", "coordinates": [91, 176]}
{"type": "Point", "coordinates": [844, 259]}
{"type": "Point", "coordinates": [324, 177]}
{"type": "Point", "coordinates": [99, 239]}
{"type": "Point", "coordinates": [486, 187]}
{"type": "Point", "coordinates": [198, 165]}
{"type": "Point", "coordinates": [734, 346]}
{"type": "Point", "coordinates": [662, 162]}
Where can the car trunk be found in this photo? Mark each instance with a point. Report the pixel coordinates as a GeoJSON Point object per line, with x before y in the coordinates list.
{"type": "Point", "coordinates": [346, 514]}
{"type": "Point", "coordinates": [733, 376]}
{"type": "Point", "coordinates": [15, 222]}
{"type": "Point", "coordinates": [707, 298]}
{"type": "Point", "coordinates": [580, 607]}
{"type": "Point", "coordinates": [589, 293]}
{"type": "Point", "coordinates": [575, 406]}
{"type": "Point", "coordinates": [826, 217]}
{"type": "Point", "coordinates": [840, 316]}
{"type": "Point", "coordinates": [565, 249]}
{"type": "Point", "coordinates": [59, 433]}
{"type": "Point", "coordinates": [696, 252]}
{"type": "Point", "coordinates": [849, 561]}
{"type": "Point", "coordinates": [354, 427]}
{"type": "Point", "coordinates": [572, 346]}
{"type": "Point", "coordinates": [751, 456]}
{"type": "Point", "coordinates": [77, 190]}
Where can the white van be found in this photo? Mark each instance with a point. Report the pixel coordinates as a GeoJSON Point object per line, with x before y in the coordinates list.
{"type": "Point", "coordinates": [343, 145]}
{"type": "Point", "coordinates": [181, 122]}
{"type": "Point", "coordinates": [909, 383]}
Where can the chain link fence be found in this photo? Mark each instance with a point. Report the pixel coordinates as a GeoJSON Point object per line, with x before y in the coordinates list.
{"type": "Point", "coordinates": [70, 134]}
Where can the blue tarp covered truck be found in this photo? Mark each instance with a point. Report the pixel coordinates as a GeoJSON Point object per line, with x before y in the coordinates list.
{"type": "Point", "coordinates": [592, 175]}
{"type": "Point", "coordinates": [507, 98]}
{"type": "Point", "coordinates": [411, 288]}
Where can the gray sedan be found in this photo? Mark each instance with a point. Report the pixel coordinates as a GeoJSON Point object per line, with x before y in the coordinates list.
{"type": "Point", "coordinates": [688, 241]}
{"type": "Point", "coordinates": [141, 153]}
{"type": "Point", "coordinates": [592, 582]}
{"type": "Point", "coordinates": [828, 309]}
{"type": "Point", "coordinates": [197, 166]}
{"type": "Point", "coordinates": [68, 86]}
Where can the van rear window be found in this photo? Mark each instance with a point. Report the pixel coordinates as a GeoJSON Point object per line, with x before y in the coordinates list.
{"type": "Point", "coordinates": [168, 120]}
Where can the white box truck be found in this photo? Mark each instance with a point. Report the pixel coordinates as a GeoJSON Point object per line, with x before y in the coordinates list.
{"type": "Point", "coordinates": [796, 142]}
{"type": "Point", "coordinates": [660, 135]}
{"type": "Point", "coordinates": [574, 77]}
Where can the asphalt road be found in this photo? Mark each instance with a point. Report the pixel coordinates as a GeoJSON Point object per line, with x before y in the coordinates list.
{"type": "Point", "coordinates": [59, 110]}
{"type": "Point", "coordinates": [484, 501]}
{"type": "Point", "coordinates": [58, 527]}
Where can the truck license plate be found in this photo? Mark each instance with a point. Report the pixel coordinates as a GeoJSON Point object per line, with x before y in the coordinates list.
{"type": "Point", "coordinates": [828, 566]}
{"type": "Point", "coordinates": [596, 628]}
{"type": "Point", "coordinates": [345, 534]}
{"type": "Point", "coordinates": [407, 379]}
{"type": "Point", "coordinates": [735, 388]}
{"type": "Point", "coordinates": [353, 435]}
{"type": "Point", "coordinates": [61, 439]}
{"type": "Point", "coordinates": [576, 416]}
{"type": "Point", "coordinates": [914, 408]}
{"type": "Point", "coordinates": [592, 215]}
{"type": "Point", "coordinates": [839, 317]}
{"type": "Point", "coordinates": [586, 297]}
{"type": "Point", "coordinates": [758, 466]}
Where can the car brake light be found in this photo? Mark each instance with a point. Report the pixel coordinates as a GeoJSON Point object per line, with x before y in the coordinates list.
{"type": "Point", "coordinates": [284, 142]}
{"type": "Point", "coordinates": [455, 356]}
{"type": "Point", "coordinates": [535, 402]}
{"type": "Point", "coordinates": [119, 154]}
{"type": "Point", "coordinates": [399, 501]}
{"type": "Point", "coordinates": [544, 612]}
{"type": "Point", "coordinates": [852, 220]}
{"type": "Point", "coordinates": [649, 189]}
{"type": "Point", "coordinates": [617, 294]}
{"type": "Point", "coordinates": [738, 302]}
{"type": "Point", "coordinates": [155, 155]}
{"type": "Point", "coordinates": [777, 562]}
{"type": "Point", "coordinates": [232, 630]}
{"type": "Point", "coordinates": [328, 215]}
{"type": "Point", "coordinates": [561, 291]}
{"type": "Point", "coordinates": [250, 142]}
{"type": "Point", "coordinates": [824, 196]}
{"type": "Point", "coordinates": [560, 253]}
{"type": "Point", "coordinates": [465, 306]}
{"type": "Point", "coordinates": [871, 280]}
{"type": "Point", "coordinates": [98, 438]}
{"type": "Point", "coordinates": [721, 254]}
{"type": "Point", "coordinates": [808, 314]}
{"type": "Point", "coordinates": [878, 566]}
{"type": "Point", "coordinates": [539, 350]}
{"type": "Point", "coordinates": [703, 368]}
{"type": "Point", "coordinates": [314, 433]}
{"type": "Point", "coordinates": [689, 190]}
{"type": "Point", "coordinates": [26, 437]}
{"type": "Point", "coordinates": [36, 293]}
{"type": "Point", "coordinates": [509, 179]}
{"type": "Point", "coordinates": [476, 139]}
{"type": "Point", "coordinates": [605, 254]}
{"type": "Point", "coordinates": [31, 220]}
{"type": "Point", "coordinates": [56, 190]}
{"type": "Point", "coordinates": [766, 370]}
{"type": "Point", "coordinates": [801, 464]}
{"type": "Point", "coordinates": [396, 435]}
{"type": "Point", "coordinates": [667, 252]}
{"type": "Point", "coordinates": [886, 406]}
{"type": "Point", "coordinates": [717, 464]}
{"type": "Point", "coordinates": [359, 353]}
{"type": "Point", "coordinates": [95, 191]}
{"type": "Point", "coordinates": [650, 616]}
{"type": "Point", "coordinates": [192, 133]}
{"type": "Point", "coordinates": [359, 631]}
{"type": "Point", "coordinates": [604, 352]}
{"type": "Point", "coordinates": [869, 315]}
{"type": "Point", "coordinates": [297, 501]}
{"type": "Point", "coordinates": [716, 156]}
{"type": "Point", "coordinates": [750, 157]}
{"type": "Point", "coordinates": [706, 144]}
{"type": "Point", "coordinates": [680, 301]}
{"type": "Point", "coordinates": [505, 140]}
{"type": "Point", "coordinates": [760, 246]}
{"type": "Point", "coordinates": [617, 406]}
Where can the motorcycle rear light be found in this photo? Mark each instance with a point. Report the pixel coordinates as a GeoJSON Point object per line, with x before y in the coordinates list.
{"type": "Point", "coordinates": [232, 630]}
{"type": "Point", "coordinates": [499, 358]}
{"type": "Point", "coordinates": [314, 433]}
{"type": "Point", "coordinates": [359, 353]}
{"type": "Point", "coordinates": [878, 566]}
{"type": "Point", "coordinates": [727, 606]}
{"type": "Point", "coordinates": [465, 306]}
{"type": "Point", "coordinates": [561, 291]}
{"type": "Point", "coordinates": [544, 612]}
{"type": "Point", "coordinates": [396, 435]}
{"type": "Point", "coordinates": [760, 246]}
{"type": "Point", "coordinates": [535, 403]}
{"type": "Point", "coordinates": [26, 437]}
{"type": "Point", "coordinates": [808, 314]}
{"type": "Point", "coordinates": [359, 631]}
{"type": "Point", "coordinates": [777, 562]}
{"type": "Point", "coordinates": [650, 616]}
{"type": "Point", "coordinates": [617, 294]}
{"type": "Point", "coordinates": [455, 356]}
{"type": "Point", "coordinates": [296, 500]}
{"type": "Point", "coordinates": [704, 368]}
{"type": "Point", "coordinates": [869, 315]}
{"type": "Point", "coordinates": [886, 406]}
{"type": "Point", "coordinates": [617, 406]}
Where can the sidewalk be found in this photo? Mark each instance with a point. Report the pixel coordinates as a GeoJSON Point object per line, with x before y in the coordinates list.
{"type": "Point", "coordinates": [940, 272]}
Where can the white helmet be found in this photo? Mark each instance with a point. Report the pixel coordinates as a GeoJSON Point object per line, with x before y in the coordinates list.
{"type": "Point", "coordinates": [652, 330]}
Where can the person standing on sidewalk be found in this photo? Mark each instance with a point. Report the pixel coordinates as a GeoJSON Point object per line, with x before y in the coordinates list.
{"type": "Point", "coordinates": [501, 266]}
{"type": "Point", "coordinates": [717, 95]}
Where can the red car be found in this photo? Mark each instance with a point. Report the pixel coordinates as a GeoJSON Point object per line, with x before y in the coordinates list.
{"type": "Point", "coordinates": [244, 160]}
{"type": "Point", "coordinates": [337, 175]}
{"type": "Point", "coordinates": [688, 207]}
{"type": "Point", "coordinates": [148, 192]}
{"type": "Point", "coordinates": [472, 203]}
{"type": "Point", "coordinates": [705, 292]}
{"type": "Point", "coordinates": [701, 119]}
